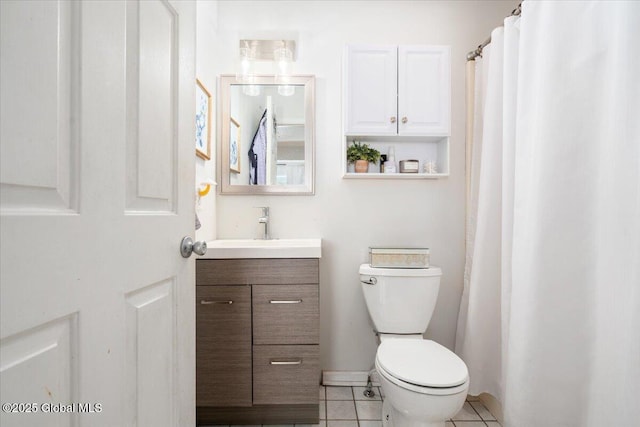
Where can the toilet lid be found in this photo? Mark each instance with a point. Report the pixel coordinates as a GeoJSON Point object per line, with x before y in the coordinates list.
{"type": "Point", "coordinates": [422, 362]}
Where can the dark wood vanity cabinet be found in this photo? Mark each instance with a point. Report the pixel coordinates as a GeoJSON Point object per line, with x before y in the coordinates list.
{"type": "Point", "coordinates": [257, 341]}
{"type": "Point", "coordinates": [223, 346]}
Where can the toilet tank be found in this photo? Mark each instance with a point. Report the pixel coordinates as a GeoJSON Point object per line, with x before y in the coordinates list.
{"type": "Point", "coordinates": [400, 300]}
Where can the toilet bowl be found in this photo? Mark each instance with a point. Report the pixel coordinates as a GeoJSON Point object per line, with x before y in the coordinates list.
{"type": "Point", "coordinates": [424, 383]}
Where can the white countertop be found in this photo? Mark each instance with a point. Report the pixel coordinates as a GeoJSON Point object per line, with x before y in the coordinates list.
{"type": "Point", "coordinates": [255, 248]}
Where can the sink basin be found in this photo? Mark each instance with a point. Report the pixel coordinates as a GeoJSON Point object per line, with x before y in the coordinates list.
{"type": "Point", "coordinates": [276, 248]}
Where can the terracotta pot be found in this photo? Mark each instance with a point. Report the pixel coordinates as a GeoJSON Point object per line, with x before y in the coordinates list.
{"type": "Point", "coordinates": [362, 166]}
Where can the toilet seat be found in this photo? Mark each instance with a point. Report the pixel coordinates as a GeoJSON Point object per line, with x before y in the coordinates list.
{"type": "Point", "coordinates": [421, 365]}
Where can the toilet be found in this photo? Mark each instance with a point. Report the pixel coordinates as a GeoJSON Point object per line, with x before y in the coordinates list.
{"type": "Point", "coordinates": [423, 382]}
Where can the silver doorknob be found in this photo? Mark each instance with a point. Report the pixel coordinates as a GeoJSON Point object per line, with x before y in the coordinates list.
{"type": "Point", "coordinates": [187, 246]}
{"type": "Point", "coordinates": [393, 119]}
{"type": "Point", "coordinates": [405, 120]}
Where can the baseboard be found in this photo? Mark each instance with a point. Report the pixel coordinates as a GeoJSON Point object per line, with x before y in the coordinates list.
{"type": "Point", "coordinates": [493, 405]}
{"type": "Point", "coordinates": [348, 378]}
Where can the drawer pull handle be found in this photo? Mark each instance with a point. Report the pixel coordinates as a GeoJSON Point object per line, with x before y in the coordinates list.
{"type": "Point", "coordinates": [286, 362]}
{"type": "Point", "coordinates": [207, 302]}
{"type": "Point", "coordinates": [285, 301]}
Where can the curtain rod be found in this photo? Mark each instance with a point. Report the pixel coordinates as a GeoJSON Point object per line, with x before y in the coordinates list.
{"type": "Point", "coordinates": [471, 56]}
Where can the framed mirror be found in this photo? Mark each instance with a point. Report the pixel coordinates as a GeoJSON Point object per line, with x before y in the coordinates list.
{"type": "Point", "coordinates": [266, 140]}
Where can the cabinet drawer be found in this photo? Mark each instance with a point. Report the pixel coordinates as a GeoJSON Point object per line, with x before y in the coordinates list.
{"type": "Point", "coordinates": [285, 314]}
{"type": "Point", "coordinates": [285, 374]}
{"type": "Point", "coordinates": [275, 271]}
{"type": "Point", "coordinates": [223, 345]}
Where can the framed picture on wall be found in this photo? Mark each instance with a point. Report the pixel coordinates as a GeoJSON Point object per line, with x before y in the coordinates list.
{"type": "Point", "coordinates": [234, 146]}
{"type": "Point", "coordinates": [203, 121]}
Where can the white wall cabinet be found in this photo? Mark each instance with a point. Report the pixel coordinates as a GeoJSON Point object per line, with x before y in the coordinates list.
{"type": "Point", "coordinates": [397, 90]}
{"type": "Point", "coordinates": [399, 96]}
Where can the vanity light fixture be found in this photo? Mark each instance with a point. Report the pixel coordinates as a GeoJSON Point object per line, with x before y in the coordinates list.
{"type": "Point", "coordinates": [281, 53]}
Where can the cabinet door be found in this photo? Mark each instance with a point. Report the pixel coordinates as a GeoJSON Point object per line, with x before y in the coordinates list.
{"type": "Point", "coordinates": [223, 346]}
{"type": "Point", "coordinates": [424, 94]}
{"type": "Point", "coordinates": [371, 73]}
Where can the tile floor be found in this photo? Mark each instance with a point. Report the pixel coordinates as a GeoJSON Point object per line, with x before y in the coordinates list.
{"type": "Point", "coordinates": [347, 407]}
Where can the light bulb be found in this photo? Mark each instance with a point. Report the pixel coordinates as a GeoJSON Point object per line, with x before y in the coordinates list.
{"type": "Point", "coordinates": [283, 62]}
{"type": "Point", "coordinates": [245, 72]}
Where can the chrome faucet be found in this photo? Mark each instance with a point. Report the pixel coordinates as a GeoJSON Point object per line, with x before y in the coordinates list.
{"type": "Point", "coordinates": [264, 219]}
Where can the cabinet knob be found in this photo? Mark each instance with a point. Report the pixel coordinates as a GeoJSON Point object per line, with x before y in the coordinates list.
{"type": "Point", "coordinates": [404, 120]}
{"type": "Point", "coordinates": [393, 119]}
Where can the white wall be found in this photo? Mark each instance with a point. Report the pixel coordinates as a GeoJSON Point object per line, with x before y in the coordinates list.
{"type": "Point", "coordinates": [351, 215]}
{"type": "Point", "coordinates": [206, 39]}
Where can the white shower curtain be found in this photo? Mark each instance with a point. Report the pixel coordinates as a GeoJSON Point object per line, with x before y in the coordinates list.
{"type": "Point", "coordinates": [550, 316]}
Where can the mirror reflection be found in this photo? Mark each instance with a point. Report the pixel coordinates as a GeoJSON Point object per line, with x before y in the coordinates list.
{"type": "Point", "coordinates": [273, 127]}
{"type": "Point", "coordinates": [267, 136]}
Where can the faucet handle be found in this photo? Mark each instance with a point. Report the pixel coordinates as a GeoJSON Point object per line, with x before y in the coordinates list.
{"type": "Point", "coordinates": [265, 210]}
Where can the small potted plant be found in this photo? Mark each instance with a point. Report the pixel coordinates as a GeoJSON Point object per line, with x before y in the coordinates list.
{"type": "Point", "coordinates": [361, 155]}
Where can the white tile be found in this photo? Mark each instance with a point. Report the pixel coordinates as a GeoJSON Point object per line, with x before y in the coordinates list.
{"type": "Point", "coordinates": [466, 414]}
{"type": "Point", "coordinates": [343, 424]}
{"type": "Point", "coordinates": [483, 411]}
{"type": "Point", "coordinates": [323, 410]}
{"type": "Point", "coordinates": [370, 423]}
{"type": "Point", "coordinates": [469, 423]}
{"type": "Point", "coordinates": [339, 393]}
{"type": "Point", "coordinates": [341, 410]}
{"type": "Point", "coordinates": [369, 409]}
{"type": "Point", "coordinates": [321, 393]}
{"type": "Point", "coordinates": [358, 393]}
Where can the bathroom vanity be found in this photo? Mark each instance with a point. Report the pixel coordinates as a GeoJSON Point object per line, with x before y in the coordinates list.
{"type": "Point", "coordinates": [257, 335]}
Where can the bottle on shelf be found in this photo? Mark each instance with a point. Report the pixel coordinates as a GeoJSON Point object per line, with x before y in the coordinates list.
{"type": "Point", "coordinates": [383, 159]}
{"type": "Point", "coordinates": [390, 164]}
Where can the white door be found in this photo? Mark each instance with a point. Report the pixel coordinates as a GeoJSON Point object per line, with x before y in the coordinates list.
{"type": "Point", "coordinates": [97, 137]}
{"type": "Point", "coordinates": [424, 97]}
{"type": "Point", "coordinates": [371, 90]}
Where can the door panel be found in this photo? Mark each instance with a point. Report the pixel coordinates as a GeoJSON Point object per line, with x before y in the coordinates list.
{"type": "Point", "coordinates": [96, 302]}
{"type": "Point", "coordinates": [49, 353]}
{"type": "Point", "coordinates": [150, 335]}
{"type": "Point", "coordinates": [39, 137]}
{"type": "Point", "coordinates": [152, 64]}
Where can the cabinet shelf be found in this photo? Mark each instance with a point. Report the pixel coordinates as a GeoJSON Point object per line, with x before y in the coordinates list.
{"type": "Point", "coordinates": [423, 148]}
{"type": "Point", "coordinates": [374, 175]}
{"type": "Point", "coordinates": [398, 97]}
